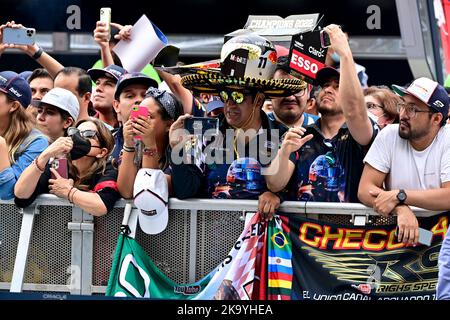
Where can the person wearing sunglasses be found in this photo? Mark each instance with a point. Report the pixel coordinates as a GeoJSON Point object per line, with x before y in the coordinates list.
{"type": "Point", "coordinates": [91, 179]}
{"type": "Point", "coordinates": [409, 163]}
{"type": "Point", "coordinates": [230, 168]}
{"type": "Point", "coordinates": [324, 162]}
{"type": "Point", "coordinates": [382, 105]}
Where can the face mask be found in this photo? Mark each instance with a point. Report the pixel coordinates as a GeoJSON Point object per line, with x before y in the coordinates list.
{"type": "Point", "coordinates": [81, 146]}
{"type": "Point", "coordinates": [335, 57]}
{"type": "Point", "coordinates": [373, 117]}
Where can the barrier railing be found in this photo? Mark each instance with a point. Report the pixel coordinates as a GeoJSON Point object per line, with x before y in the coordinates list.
{"type": "Point", "coordinates": [54, 246]}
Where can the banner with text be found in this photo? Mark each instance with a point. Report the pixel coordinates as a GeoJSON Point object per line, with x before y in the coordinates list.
{"type": "Point", "coordinates": [334, 262]}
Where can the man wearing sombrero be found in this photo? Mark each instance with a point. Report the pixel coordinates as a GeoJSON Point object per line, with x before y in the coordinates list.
{"type": "Point", "coordinates": [232, 168]}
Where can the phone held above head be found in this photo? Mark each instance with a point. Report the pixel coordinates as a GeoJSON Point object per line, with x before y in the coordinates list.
{"type": "Point", "coordinates": [20, 36]}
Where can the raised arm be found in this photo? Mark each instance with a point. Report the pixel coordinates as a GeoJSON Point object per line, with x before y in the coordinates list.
{"type": "Point", "coordinates": [43, 58]}
{"type": "Point", "coordinates": [180, 92]}
{"type": "Point", "coordinates": [350, 91]}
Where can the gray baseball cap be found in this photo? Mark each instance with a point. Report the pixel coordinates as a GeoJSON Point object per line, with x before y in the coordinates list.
{"type": "Point", "coordinates": [62, 99]}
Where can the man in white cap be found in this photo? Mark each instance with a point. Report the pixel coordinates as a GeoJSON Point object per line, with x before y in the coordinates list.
{"type": "Point", "coordinates": [57, 111]}
{"type": "Point", "coordinates": [408, 165]}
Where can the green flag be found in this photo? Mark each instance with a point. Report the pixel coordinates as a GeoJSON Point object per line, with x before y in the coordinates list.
{"type": "Point", "coordinates": [133, 274]}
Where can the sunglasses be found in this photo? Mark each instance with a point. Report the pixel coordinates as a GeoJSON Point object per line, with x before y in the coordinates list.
{"type": "Point", "coordinates": [236, 96]}
{"type": "Point", "coordinates": [87, 134]}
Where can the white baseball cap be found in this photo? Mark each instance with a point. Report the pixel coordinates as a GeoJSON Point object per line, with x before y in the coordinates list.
{"type": "Point", "coordinates": [151, 197]}
{"type": "Point", "coordinates": [62, 99]}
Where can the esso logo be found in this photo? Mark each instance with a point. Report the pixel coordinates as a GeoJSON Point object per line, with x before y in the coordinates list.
{"type": "Point", "coordinates": [304, 64]}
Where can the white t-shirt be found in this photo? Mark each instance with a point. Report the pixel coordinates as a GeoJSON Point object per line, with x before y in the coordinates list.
{"type": "Point", "coordinates": [406, 167]}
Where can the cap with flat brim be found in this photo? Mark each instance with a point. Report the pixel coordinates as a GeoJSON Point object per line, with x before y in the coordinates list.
{"type": "Point", "coordinates": [214, 82]}
{"type": "Point", "coordinates": [144, 80]}
{"type": "Point", "coordinates": [96, 74]}
{"type": "Point", "coordinates": [401, 91]}
{"type": "Point", "coordinates": [325, 74]}
{"type": "Point", "coordinates": [214, 105]}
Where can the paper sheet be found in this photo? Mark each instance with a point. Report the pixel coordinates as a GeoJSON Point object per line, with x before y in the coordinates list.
{"type": "Point", "coordinates": [145, 44]}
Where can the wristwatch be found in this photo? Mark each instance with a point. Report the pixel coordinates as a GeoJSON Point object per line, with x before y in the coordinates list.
{"type": "Point", "coordinates": [401, 196]}
{"type": "Point", "coordinates": [38, 54]}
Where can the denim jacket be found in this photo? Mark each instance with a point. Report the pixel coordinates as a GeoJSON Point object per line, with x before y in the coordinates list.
{"type": "Point", "coordinates": [32, 146]}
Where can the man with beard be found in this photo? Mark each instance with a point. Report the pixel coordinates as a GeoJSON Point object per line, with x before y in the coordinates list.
{"type": "Point", "coordinates": [328, 166]}
{"type": "Point", "coordinates": [289, 111]}
{"type": "Point", "coordinates": [409, 163]}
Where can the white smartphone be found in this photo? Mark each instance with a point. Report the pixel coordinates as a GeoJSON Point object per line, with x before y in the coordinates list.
{"type": "Point", "coordinates": [425, 236]}
{"type": "Point", "coordinates": [22, 36]}
{"type": "Point", "coordinates": [105, 16]}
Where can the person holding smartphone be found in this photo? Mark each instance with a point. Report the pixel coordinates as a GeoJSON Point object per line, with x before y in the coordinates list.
{"type": "Point", "coordinates": [92, 180]}
{"type": "Point", "coordinates": [19, 142]}
{"type": "Point", "coordinates": [152, 128]}
{"type": "Point", "coordinates": [231, 168]}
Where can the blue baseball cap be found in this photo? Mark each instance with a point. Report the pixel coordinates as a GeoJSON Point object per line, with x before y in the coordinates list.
{"type": "Point", "coordinates": [15, 87]}
{"type": "Point", "coordinates": [214, 104]}
{"type": "Point", "coordinates": [26, 74]}
{"type": "Point", "coordinates": [111, 71]}
{"type": "Point", "coordinates": [429, 92]}
{"type": "Point", "coordinates": [133, 78]}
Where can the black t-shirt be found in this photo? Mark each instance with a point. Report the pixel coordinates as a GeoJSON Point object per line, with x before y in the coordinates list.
{"type": "Point", "coordinates": [104, 184]}
{"type": "Point", "coordinates": [238, 176]}
{"type": "Point", "coordinates": [328, 170]}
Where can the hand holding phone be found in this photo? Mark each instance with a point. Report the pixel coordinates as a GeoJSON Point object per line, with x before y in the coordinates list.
{"type": "Point", "coordinates": [105, 16]}
{"type": "Point", "coordinates": [199, 125]}
{"type": "Point", "coordinates": [137, 111]}
{"type": "Point", "coordinates": [19, 36]}
{"type": "Point", "coordinates": [60, 165]}
{"type": "Point", "coordinates": [325, 41]}
{"type": "Point", "coordinates": [425, 236]}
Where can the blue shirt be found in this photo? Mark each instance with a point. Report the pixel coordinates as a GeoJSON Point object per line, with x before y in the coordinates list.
{"type": "Point", "coordinates": [10, 175]}
{"type": "Point", "coordinates": [443, 287]}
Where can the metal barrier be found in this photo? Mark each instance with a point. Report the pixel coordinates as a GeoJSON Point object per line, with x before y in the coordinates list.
{"type": "Point", "coordinates": [54, 246]}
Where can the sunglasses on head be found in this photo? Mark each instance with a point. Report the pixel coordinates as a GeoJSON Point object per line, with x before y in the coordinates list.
{"type": "Point", "coordinates": [87, 134]}
{"type": "Point", "coordinates": [235, 96]}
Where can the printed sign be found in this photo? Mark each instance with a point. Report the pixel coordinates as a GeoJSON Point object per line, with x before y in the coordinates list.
{"type": "Point", "coordinates": [306, 55]}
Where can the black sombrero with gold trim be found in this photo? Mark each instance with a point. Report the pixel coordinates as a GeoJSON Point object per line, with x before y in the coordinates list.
{"type": "Point", "coordinates": [213, 82]}
{"type": "Point", "coordinates": [247, 62]}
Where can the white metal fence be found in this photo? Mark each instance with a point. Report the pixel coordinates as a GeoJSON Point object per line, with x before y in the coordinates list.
{"type": "Point", "coordinates": [53, 246]}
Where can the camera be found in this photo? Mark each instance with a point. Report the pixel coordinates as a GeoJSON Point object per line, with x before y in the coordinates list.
{"type": "Point", "coordinates": [199, 125]}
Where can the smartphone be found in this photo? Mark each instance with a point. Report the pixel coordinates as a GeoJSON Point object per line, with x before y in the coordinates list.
{"type": "Point", "coordinates": [105, 16]}
{"type": "Point", "coordinates": [60, 165]}
{"type": "Point", "coordinates": [137, 111]}
{"type": "Point", "coordinates": [425, 236]}
{"type": "Point", "coordinates": [22, 36]}
{"type": "Point", "coordinates": [324, 39]}
{"type": "Point", "coordinates": [199, 125]}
